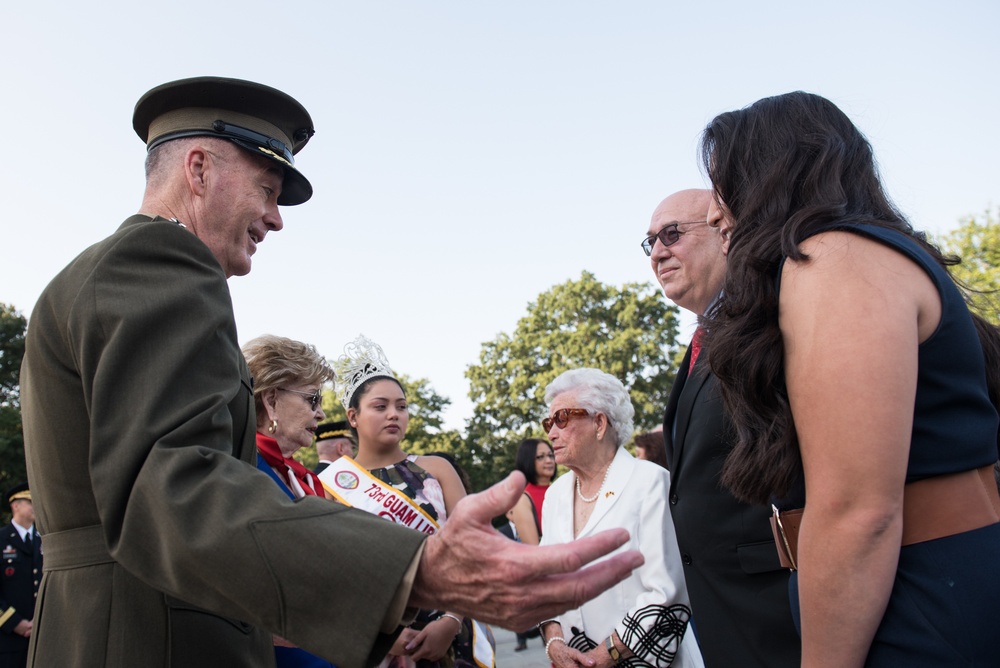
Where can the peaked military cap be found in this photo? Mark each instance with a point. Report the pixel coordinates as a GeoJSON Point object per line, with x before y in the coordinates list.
{"type": "Point", "coordinates": [18, 492]}
{"type": "Point", "coordinates": [259, 118]}
{"type": "Point", "coordinates": [337, 429]}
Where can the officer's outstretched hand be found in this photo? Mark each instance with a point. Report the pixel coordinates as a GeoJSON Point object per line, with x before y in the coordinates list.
{"type": "Point", "coordinates": [470, 568]}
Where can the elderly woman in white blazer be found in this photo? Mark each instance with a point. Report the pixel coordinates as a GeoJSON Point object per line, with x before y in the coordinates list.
{"type": "Point", "coordinates": [644, 619]}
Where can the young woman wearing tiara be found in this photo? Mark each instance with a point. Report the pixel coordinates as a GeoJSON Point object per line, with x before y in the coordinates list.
{"type": "Point", "coordinates": [377, 410]}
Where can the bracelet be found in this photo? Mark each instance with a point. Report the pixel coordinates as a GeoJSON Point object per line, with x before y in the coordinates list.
{"type": "Point", "coordinates": [456, 618]}
{"type": "Point", "coordinates": [549, 642]}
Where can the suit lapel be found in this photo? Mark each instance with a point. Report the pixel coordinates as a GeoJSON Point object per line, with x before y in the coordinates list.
{"type": "Point", "coordinates": [670, 414]}
{"type": "Point", "coordinates": [686, 400]}
{"type": "Point", "coordinates": [561, 493]}
{"type": "Point", "coordinates": [618, 476]}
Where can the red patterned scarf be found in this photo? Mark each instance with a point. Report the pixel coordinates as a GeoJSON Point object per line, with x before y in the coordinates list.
{"type": "Point", "coordinates": [301, 480]}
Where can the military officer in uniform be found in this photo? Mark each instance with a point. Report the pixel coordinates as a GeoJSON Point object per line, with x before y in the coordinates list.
{"type": "Point", "coordinates": [333, 441]}
{"type": "Point", "coordinates": [22, 571]}
{"type": "Point", "coordinates": [165, 546]}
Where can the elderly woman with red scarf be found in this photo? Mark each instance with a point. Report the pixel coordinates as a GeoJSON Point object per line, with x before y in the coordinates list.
{"type": "Point", "coordinates": [288, 378]}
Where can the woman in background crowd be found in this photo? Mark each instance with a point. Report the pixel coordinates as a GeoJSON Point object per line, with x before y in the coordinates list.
{"type": "Point", "coordinates": [377, 410]}
{"type": "Point", "coordinates": [861, 388]}
{"type": "Point", "coordinates": [643, 620]}
{"type": "Point", "coordinates": [288, 379]}
{"type": "Point", "coordinates": [536, 460]}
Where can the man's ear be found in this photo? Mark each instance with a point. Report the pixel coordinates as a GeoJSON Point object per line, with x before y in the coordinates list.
{"type": "Point", "coordinates": [197, 164]}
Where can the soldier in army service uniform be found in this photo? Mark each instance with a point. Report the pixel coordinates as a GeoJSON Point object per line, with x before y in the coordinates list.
{"type": "Point", "coordinates": [22, 571]}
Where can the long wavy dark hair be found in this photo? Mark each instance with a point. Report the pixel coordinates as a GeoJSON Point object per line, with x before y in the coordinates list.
{"type": "Point", "coordinates": [783, 168]}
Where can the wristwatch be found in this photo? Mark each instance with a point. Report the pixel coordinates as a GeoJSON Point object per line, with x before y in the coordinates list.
{"type": "Point", "coordinates": [612, 650]}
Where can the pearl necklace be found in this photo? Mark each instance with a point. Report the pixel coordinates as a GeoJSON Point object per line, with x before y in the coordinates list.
{"type": "Point", "coordinates": [579, 491]}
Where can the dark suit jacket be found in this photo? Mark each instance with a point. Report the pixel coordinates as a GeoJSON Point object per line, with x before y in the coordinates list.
{"type": "Point", "coordinates": [22, 571]}
{"type": "Point", "coordinates": [164, 546]}
{"type": "Point", "coordinates": [739, 592]}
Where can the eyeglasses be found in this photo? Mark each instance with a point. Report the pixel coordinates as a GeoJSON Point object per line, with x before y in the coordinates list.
{"type": "Point", "coordinates": [547, 455]}
{"type": "Point", "coordinates": [668, 236]}
{"type": "Point", "coordinates": [562, 416]}
{"type": "Point", "coordinates": [312, 397]}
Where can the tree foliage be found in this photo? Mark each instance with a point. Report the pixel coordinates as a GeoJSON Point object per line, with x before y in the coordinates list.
{"type": "Point", "coordinates": [977, 243]}
{"type": "Point", "coordinates": [12, 330]}
{"type": "Point", "coordinates": [629, 332]}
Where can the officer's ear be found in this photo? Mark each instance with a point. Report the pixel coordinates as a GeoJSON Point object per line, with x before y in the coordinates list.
{"type": "Point", "coordinates": [197, 166]}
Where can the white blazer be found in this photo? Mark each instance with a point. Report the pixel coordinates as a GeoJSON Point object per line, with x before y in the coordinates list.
{"type": "Point", "coordinates": [653, 600]}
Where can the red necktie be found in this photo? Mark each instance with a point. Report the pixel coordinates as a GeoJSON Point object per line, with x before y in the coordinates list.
{"type": "Point", "coordinates": [695, 348]}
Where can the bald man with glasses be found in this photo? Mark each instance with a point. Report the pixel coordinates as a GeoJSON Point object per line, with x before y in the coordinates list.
{"type": "Point", "coordinates": [738, 590]}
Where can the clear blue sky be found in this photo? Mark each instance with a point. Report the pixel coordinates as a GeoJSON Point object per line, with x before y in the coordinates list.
{"type": "Point", "coordinates": [470, 155]}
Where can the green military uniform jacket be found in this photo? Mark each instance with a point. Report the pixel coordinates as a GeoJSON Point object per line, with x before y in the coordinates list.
{"type": "Point", "coordinates": [164, 546]}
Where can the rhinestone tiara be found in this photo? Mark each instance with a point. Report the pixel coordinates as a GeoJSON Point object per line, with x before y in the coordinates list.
{"type": "Point", "coordinates": [363, 359]}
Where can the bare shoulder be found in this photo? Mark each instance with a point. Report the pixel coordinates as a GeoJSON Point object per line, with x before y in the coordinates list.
{"type": "Point", "coordinates": [443, 472]}
{"type": "Point", "coordinates": [848, 278]}
{"type": "Point", "coordinates": [438, 467]}
{"type": "Point", "coordinates": [846, 261]}
{"type": "Point", "coordinates": [838, 249]}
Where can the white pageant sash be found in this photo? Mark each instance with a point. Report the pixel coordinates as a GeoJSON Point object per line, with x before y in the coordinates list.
{"type": "Point", "coordinates": [354, 486]}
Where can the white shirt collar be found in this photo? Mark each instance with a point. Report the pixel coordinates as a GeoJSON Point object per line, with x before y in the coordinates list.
{"type": "Point", "coordinates": [22, 532]}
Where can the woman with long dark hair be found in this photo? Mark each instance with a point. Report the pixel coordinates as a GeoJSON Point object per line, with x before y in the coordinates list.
{"type": "Point", "coordinates": [860, 387]}
{"type": "Point", "coordinates": [536, 460]}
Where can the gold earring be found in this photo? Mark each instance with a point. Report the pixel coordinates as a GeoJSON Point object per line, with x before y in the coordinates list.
{"type": "Point", "coordinates": [273, 427]}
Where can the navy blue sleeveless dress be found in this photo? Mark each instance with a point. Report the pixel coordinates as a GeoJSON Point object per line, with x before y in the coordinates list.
{"type": "Point", "coordinates": [944, 609]}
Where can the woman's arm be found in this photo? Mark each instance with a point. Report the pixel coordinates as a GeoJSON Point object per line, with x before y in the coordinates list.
{"type": "Point", "coordinates": [523, 517]}
{"type": "Point", "coordinates": [559, 653]}
{"type": "Point", "coordinates": [851, 319]}
{"type": "Point", "coordinates": [656, 623]}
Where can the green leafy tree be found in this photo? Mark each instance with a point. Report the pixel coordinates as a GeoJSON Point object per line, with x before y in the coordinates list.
{"type": "Point", "coordinates": [977, 242]}
{"type": "Point", "coordinates": [12, 329]}
{"type": "Point", "coordinates": [425, 432]}
{"type": "Point", "coordinates": [629, 332]}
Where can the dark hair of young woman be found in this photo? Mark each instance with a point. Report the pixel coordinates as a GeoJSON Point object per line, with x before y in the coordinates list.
{"type": "Point", "coordinates": [783, 168]}
{"type": "Point", "coordinates": [365, 386]}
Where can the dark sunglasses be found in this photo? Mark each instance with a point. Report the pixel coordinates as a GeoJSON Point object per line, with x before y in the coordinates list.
{"type": "Point", "coordinates": [562, 416]}
{"type": "Point", "coordinates": [668, 236]}
{"type": "Point", "coordinates": [312, 397]}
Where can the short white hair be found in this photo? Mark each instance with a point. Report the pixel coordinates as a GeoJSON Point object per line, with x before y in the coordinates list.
{"type": "Point", "coordinates": [598, 392]}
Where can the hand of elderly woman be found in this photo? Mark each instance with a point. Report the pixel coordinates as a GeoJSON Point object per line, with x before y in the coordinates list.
{"type": "Point", "coordinates": [563, 656]}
